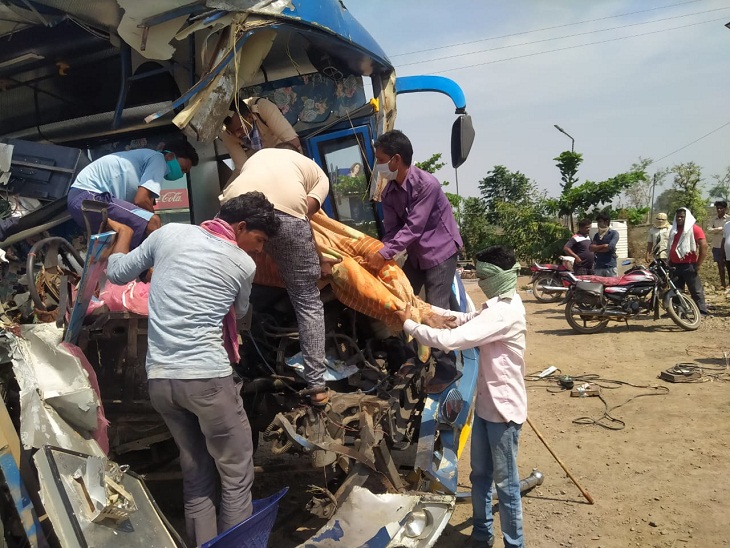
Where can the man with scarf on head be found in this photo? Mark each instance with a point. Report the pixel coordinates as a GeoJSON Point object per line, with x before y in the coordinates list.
{"type": "Point", "coordinates": [687, 252]}
{"type": "Point", "coordinates": [202, 282]}
{"type": "Point", "coordinates": [129, 182]}
{"type": "Point", "coordinates": [604, 247]}
{"type": "Point", "coordinates": [656, 244]}
{"type": "Point", "coordinates": [498, 330]}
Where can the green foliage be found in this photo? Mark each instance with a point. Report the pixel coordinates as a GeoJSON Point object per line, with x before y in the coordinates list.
{"type": "Point", "coordinates": [504, 186]}
{"type": "Point", "coordinates": [532, 235]}
{"type": "Point", "coordinates": [588, 195]}
{"type": "Point", "coordinates": [633, 215]}
{"type": "Point", "coordinates": [347, 186]}
{"type": "Point", "coordinates": [568, 164]}
{"type": "Point", "coordinates": [473, 226]}
{"type": "Point", "coordinates": [663, 202]}
{"type": "Point", "coordinates": [687, 186]}
{"type": "Point", "coordinates": [721, 188]}
{"type": "Point", "coordinates": [432, 165]}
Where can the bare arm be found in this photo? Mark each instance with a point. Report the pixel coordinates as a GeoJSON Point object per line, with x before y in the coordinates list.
{"type": "Point", "coordinates": [312, 206]}
{"type": "Point", "coordinates": [702, 252]}
{"type": "Point", "coordinates": [145, 199]}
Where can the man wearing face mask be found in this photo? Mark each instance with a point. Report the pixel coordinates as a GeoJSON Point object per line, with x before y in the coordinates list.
{"type": "Point", "coordinates": [418, 219]}
{"type": "Point", "coordinates": [604, 247]}
{"type": "Point", "coordinates": [499, 331]}
{"type": "Point", "coordinates": [129, 182]}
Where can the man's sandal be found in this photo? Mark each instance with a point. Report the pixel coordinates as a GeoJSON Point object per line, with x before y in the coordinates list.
{"type": "Point", "coordinates": [320, 399]}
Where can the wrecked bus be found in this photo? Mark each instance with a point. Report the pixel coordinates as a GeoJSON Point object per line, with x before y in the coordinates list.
{"type": "Point", "coordinates": [83, 81]}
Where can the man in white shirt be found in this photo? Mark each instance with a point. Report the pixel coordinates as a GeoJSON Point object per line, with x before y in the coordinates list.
{"type": "Point", "coordinates": [498, 330]}
{"type": "Point", "coordinates": [715, 230]}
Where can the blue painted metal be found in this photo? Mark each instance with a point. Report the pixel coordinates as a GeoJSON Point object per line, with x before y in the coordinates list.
{"type": "Point", "coordinates": [23, 505]}
{"type": "Point", "coordinates": [439, 84]}
{"type": "Point", "coordinates": [332, 17]}
{"type": "Point", "coordinates": [93, 271]}
{"type": "Point", "coordinates": [443, 467]}
{"type": "Point", "coordinates": [364, 129]}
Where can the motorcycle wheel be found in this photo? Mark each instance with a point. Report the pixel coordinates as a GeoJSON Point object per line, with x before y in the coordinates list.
{"type": "Point", "coordinates": [542, 281]}
{"type": "Point", "coordinates": [684, 312]}
{"type": "Point", "coordinates": [581, 320]}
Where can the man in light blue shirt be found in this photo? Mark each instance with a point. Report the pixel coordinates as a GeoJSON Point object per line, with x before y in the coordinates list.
{"type": "Point", "coordinates": [129, 182]}
{"type": "Point", "coordinates": [202, 277]}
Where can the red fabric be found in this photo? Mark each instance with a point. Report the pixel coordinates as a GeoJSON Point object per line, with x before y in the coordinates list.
{"type": "Point", "coordinates": [223, 230]}
{"type": "Point", "coordinates": [131, 297]}
{"type": "Point", "coordinates": [689, 258]}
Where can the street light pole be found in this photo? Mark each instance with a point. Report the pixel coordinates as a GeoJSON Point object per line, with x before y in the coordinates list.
{"type": "Point", "coordinates": [572, 141]}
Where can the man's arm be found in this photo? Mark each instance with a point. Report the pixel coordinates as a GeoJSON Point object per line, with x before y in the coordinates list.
{"type": "Point", "coordinates": [235, 150]}
{"type": "Point", "coordinates": [415, 223]}
{"type": "Point", "coordinates": [145, 199]}
{"type": "Point", "coordinates": [568, 250]}
{"type": "Point", "coordinates": [701, 252]}
{"type": "Point", "coordinates": [124, 266]}
{"type": "Point", "coordinates": [241, 303]}
{"type": "Point", "coordinates": [483, 329]}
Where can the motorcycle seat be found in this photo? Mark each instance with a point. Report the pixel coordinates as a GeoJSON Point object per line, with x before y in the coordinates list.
{"type": "Point", "coordinates": [605, 280]}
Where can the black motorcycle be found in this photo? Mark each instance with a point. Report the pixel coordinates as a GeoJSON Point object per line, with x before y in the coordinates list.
{"type": "Point", "coordinates": [590, 305]}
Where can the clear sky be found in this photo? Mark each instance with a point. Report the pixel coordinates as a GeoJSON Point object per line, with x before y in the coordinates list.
{"type": "Point", "coordinates": [626, 79]}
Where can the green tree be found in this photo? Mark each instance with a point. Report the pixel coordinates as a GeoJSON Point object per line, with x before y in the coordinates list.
{"type": "Point", "coordinates": [663, 202]}
{"type": "Point", "coordinates": [721, 189]}
{"type": "Point", "coordinates": [687, 186]}
{"type": "Point", "coordinates": [433, 164]}
{"type": "Point", "coordinates": [568, 164]}
{"type": "Point", "coordinates": [474, 227]}
{"type": "Point", "coordinates": [501, 185]}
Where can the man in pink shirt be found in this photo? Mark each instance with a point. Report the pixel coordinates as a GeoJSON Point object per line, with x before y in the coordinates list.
{"type": "Point", "coordinates": [498, 330]}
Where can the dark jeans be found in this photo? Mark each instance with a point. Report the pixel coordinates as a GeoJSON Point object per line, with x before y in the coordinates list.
{"type": "Point", "coordinates": [437, 282]}
{"type": "Point", "coordinates": [211, 429]}
{"type": "Point", "coordinates": [686, 274]}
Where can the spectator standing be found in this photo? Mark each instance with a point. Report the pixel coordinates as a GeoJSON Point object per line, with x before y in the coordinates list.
{"type": "Point", "coordinates": [604, 247]}
{"type": "Point", "coordinates": [687, 252]}
{"type": "Point", "coordinates": [715, 229]}
{"type": "Point", "coordinates": [657, 241]}
{"type": "Point", "coordinates": [578, 247]}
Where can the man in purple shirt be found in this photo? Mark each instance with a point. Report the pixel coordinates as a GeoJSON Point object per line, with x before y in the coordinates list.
{"type": "Point", "coordinates": [418, 219]}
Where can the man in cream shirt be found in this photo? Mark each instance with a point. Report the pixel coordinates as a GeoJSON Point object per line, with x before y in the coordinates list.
{"type": "Point", "coordinates": [297, 187]}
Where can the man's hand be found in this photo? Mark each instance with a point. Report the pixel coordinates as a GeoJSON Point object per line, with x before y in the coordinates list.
{"type": "Point", "coordinates": [404, 315]}
{"type": "Point", "coordinates": [325, 265]}
{"type": "Point", "coordinates": [437, 321]}
{"type": "Point", "coordinates": [375, 261]}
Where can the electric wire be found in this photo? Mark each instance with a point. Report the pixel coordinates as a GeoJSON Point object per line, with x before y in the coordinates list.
{"type": "Point", "coordinates": [534, 54]}
{"type": "Point", "coordinates": [559, 37]}
{"type": "Point", "coordinates": [692, 143]}
{"type": "Point", "coordinates": [543, 29]}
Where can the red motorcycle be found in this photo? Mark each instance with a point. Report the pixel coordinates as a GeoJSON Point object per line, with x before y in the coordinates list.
{"type": "Point", "coordinates": [592, 301]}
{"type": "Point", "coordinates": [547, 282]}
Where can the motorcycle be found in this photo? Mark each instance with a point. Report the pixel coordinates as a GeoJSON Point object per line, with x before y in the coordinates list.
{"type": "Point", "coordinates": [547, 281]}
{"type": "Point", "coordinates": [590, 305]}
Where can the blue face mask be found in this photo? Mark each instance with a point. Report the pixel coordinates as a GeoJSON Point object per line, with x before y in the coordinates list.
{"type": "Point", "coordinates": [175, 171]}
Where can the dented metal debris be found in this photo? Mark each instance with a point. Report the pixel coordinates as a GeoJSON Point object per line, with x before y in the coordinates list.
{"type": "Point", "coordinates": [392, 449]}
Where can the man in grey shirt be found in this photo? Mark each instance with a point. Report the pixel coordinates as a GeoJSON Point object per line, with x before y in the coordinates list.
{"type": "Point", "coordinates": [201, 282]}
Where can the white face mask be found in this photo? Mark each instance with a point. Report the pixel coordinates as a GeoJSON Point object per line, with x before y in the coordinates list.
{"type": "Point", "coordinates": [382, 170]}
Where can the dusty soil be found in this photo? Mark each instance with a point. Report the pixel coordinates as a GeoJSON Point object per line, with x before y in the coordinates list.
{"type": "Point", "coordinates": [663, 480]}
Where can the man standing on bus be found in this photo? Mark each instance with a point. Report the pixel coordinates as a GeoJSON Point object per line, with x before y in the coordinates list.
{"type": "Point", "coordinates": [418, 219]}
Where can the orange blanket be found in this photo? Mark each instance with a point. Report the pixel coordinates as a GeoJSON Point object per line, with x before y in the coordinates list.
{"type": "Point", "coordinates": [375, 294]}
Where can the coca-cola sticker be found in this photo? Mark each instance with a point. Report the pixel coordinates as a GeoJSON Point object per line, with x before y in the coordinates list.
{"type": "Point", "coordinates": [176, 198]}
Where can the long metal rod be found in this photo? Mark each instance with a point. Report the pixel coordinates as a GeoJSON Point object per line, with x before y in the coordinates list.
{"type": "Point", "coordinates": [585, 493]}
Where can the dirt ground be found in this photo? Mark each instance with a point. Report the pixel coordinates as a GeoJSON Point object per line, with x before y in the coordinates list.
{"type": "Point", "coordinates": [664, 479]}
